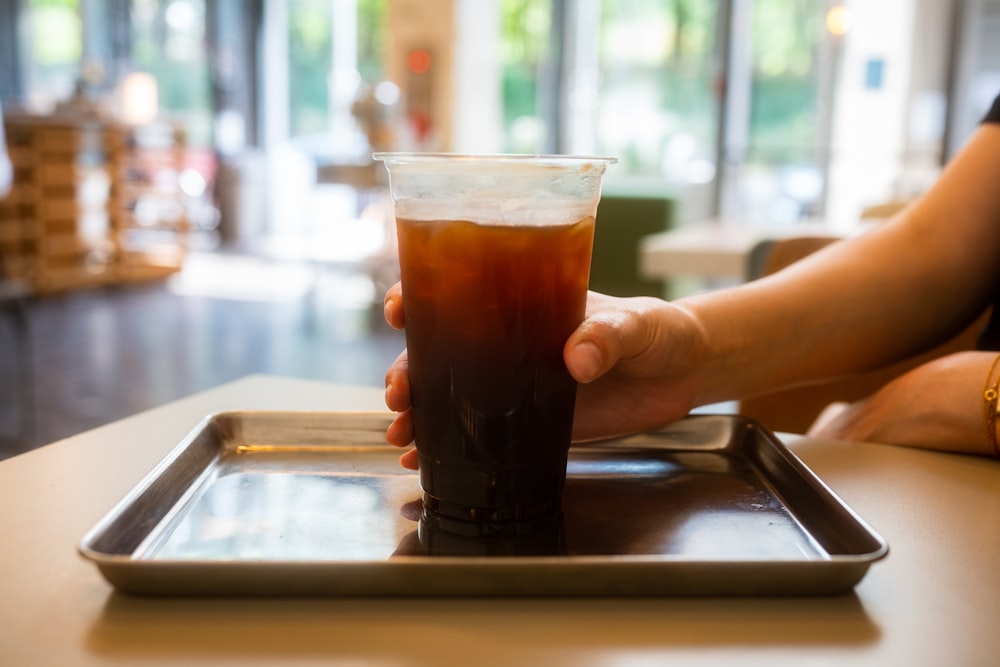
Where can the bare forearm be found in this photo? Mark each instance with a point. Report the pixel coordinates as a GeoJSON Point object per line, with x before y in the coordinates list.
{"type": "Point", "coordinates": [866, 302]}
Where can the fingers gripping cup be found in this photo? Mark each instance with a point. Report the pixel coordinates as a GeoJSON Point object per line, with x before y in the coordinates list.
{"type": "Point", "coordinates": [494, 256]}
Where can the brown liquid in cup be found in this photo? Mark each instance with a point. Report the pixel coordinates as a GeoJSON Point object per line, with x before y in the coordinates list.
{"type": "Point", "coordinates": [488, 310]}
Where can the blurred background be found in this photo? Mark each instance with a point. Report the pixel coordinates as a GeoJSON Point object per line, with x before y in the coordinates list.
{"type": "Point", "coordinates": [177, 160]}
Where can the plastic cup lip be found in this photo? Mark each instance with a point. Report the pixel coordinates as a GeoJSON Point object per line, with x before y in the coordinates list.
{"type": "Point", "coordinates": [390, 157]}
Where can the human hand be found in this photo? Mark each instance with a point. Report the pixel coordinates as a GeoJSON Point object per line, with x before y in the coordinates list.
{"type": "Point", "coordinates": [937, 405]}
{"type": "Point", "coordinates": [637, 362]}
{"type": "Point", "coordinates": [632, 357]}
{"type": "Point", "coordinates": [397, 384]}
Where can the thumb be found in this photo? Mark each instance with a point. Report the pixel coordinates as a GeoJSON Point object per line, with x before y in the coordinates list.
{"type": "Point", "coordinates": [614, 329]}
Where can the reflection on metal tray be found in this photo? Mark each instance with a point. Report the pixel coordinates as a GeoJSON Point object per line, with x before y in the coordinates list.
{"type": "Point", "coordinates": [297, 503]}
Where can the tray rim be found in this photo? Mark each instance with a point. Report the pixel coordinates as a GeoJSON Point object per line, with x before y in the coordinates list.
{"type": "Point", "coordinates": [112, 565]}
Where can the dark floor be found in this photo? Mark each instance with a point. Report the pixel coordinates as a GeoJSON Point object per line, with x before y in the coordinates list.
{"type": "Point", "coordinates": [102, 354]}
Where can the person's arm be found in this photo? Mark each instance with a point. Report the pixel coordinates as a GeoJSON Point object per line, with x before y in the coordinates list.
{"type": "Point", "coordinates": [858, 304]}
{"type": "Point", "coordinates": [937, 405]}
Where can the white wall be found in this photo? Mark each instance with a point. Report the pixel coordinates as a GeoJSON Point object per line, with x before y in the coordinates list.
{"type": "Point", "coordinates": [477, 106]}
{"type": "Point", "coordinates": [888, 141]}
{"type": "Point", "coordinates": [868, 133]}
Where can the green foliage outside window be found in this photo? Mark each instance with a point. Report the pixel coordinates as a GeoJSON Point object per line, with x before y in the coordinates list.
{"type": "Point", "coordinates": [310, 40]}
{"type": "Point", "coordinates": [788, 35]}
{"type": "Point", "coordinates": [168, 41]}
{"type": "Point", "coordinates": [657, 72]}
{"type": "Point", "coordinates": [525, 50]}
{"type": "Point", "coordinates": [56, 33]}
{"type": "Point", "coordinates": [56, 45]}
{"type": "Point", "coordinates": [310, 43]}
{"type": "Point", "coordinates": [371, 39]}
{"type": "Point", "coordinates": [659, 62]}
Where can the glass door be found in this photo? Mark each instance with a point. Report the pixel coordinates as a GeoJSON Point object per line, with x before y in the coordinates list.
{"type": "Point", "coordinates": [529, 49]}
{"type": "Point", "coordinates": [779, 173]}
{"type": "Point", "coordinates": [657, 101]}
{"type": "Point", "coordinates": [53, 47]}
{"type": "Point", "coordinates": [725, 102]}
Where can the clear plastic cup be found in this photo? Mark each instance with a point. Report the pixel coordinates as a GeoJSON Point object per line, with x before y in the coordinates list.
{"type": "Point", "coordinates": [494, 255]}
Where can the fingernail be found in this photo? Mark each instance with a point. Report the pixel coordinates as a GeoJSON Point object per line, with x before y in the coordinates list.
{"type": "Point", "coordinates": [589, 360]}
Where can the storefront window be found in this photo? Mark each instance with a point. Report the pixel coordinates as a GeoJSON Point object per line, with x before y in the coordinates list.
{"type": "Point", "coordinates": [310, 55]}
{"type": "Point", "coordinates": [528, 75]}
{"type": "Point", "coordinates": [371, 39]}
{"type": "Point", "coordinates": [656, 100]}
{"type": "Point", "coordinates": [653, 92]}
{"type": "Point", "coordinates": [168, 41]}
{"type": "Point", "coordinates": [54, 48]}
{"type": "Point", "coordinates": [631, 78]}
{"type": "Point", "coordinates": [781, 179]}
{"type": "Point", "coordinates": [333, 47]}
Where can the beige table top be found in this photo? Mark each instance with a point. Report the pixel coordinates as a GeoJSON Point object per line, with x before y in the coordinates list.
{"type": "Point", "coordinates": [934, 601]}
{"type": "Point", "coordinates": [715, 249]}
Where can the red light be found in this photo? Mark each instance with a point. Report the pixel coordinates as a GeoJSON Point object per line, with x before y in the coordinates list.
{"type": "Point", "coordinates": [419, 61]}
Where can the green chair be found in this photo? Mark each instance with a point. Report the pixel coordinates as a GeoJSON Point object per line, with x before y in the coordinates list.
{"type": "Point", "coordinates": [623, 218]}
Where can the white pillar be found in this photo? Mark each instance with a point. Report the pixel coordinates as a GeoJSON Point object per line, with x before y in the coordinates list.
{"type": "Point", "coordinates": [274, 101]}
{"type": "Point", "coordinates": [477, 104]}
{"type": "Point", "coordinates": [870, 108]}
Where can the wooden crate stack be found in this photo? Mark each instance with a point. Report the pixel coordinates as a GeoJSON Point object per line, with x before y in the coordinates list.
{"type": "Point", "coordinates": [55, 160]}
{"type": "Point", "coordinates": [70, 217]}
{"type": "Point", "coordinates": [17, 212]}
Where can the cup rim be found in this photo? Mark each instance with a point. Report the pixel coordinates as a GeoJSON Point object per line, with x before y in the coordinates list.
{"type": "Point", "coordinates": [513, 158]}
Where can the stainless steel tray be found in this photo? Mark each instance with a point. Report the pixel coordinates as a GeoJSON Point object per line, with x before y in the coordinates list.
{"type": "Point", "coordinates": [313, 503]}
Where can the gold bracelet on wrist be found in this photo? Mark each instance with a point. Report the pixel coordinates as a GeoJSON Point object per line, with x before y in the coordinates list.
{"type": "Point", "coordinates": [991, 392]}
{"type": "Point", "coordinates": [996, 433]}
